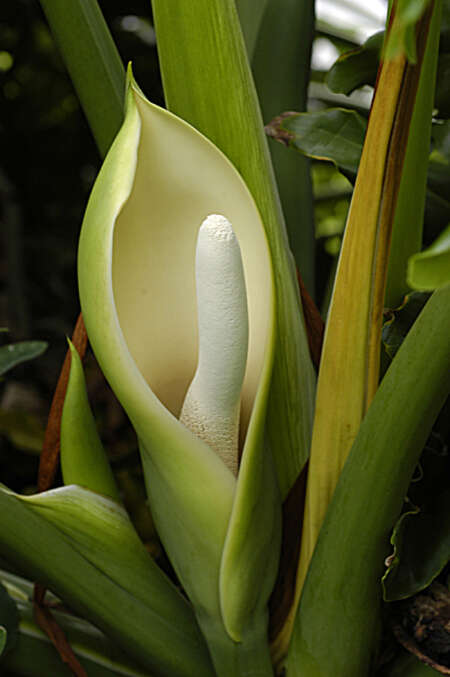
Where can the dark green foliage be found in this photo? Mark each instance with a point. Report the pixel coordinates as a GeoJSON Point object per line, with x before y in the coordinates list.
{"type": "Point", "coordinates": [9, 622]}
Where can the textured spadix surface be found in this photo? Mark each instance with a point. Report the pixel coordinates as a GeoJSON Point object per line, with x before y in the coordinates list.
{"type": "Point", "coordinates": [159, 181]}
{"type": "Point", "coordinates": [212, 405]}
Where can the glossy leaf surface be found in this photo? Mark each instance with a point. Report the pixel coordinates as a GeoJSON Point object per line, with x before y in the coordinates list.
{"type": "Point", "coordinates": [16, 353]}
{"type": "Point", "coordinates": [431, 268]}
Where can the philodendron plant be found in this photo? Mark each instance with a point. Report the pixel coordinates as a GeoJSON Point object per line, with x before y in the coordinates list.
{"type": "Point", "coordinates": [190, 299]}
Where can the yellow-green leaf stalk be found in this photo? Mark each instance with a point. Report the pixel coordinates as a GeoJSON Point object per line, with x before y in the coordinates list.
{"type": "Point", "coordinates": [159, 182]}
{"type": "Point", "coordinates": [349, 369]}
{"type": "Point", "coordinates": [83, 458]}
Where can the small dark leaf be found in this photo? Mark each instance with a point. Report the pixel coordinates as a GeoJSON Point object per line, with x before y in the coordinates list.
{"type": "Point", "coordinates": [356, 68]}
{"type": "Point", "coordinates": [15, 353]}
{"type": "Point", "coordinates": [400, 321]}
{"type": "Point", "coordinates": [421, 540]}
{"type": "Point", "coordinates": [24, 430]}
{"type": "Point", "coordinates": [335, 134]}
{"type": "Point", "coordinates": [9, 621]}
{"type": "Point", "coordinates": [421, 537]}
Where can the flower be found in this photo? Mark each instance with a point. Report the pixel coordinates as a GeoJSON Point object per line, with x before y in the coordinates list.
{"type": "Point", "coordinates": [159, 181]}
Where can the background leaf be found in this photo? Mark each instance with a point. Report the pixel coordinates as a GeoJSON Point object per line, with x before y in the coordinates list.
{"type": "Point", "coordinates": [336, 134]}
{"type": "Point", "coordinates": [421, 536]}
{"type": "Point", "coordinates": [285, 37]}
{"type": "Point", "coordinates": [35, 656]}
{"type": "Point", "coordinates": [401, 320]}
{"type": "Point", "coordinates": [356, 68]}
{"type": "Point", "coordinates": [431, 268]}
{"type": "Point", "coordinates": [93, 62]}
{"type": "Point", "coordinates": [9, 621]}
{"type": "Point", "coordinates": [15, 353]}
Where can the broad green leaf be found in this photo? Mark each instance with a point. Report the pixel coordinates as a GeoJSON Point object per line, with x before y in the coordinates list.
{"type": "Point", "coordinates": [207, 81]}
{"type": "Point", "coordinates": [285, 37]}
{"type": "Point", "coordinates": [367, 502]}
{"type": "Point", "coordinates": [136, 273]}
{"type": "Point", "coordinates": [156, 626]}
{"type": "Point", "coordinates": [16, 353]}
{"type": "Point", "coordinates": [335, 134]}
{"type": "Point", "coordinates": [34, 655]}
{"type": "Point", "coordinates": [431, 268]}
{"type": "Point", "coordinates": [356, 68]}
{"type": "Point", "coordinates": [83, 458]}
{"type": "Point", "coordinates": [93, 63]}
{"type": "Point", "coordinates": [9, 622]}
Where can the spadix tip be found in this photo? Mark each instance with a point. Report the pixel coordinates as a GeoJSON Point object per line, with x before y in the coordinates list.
{"type": "Point", "coordinates": [218, 227]}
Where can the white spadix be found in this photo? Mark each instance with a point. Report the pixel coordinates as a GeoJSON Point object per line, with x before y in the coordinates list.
{"type": "Point", "coordinates": [211, 408]}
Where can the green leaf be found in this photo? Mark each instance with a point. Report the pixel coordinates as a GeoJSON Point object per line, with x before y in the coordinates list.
{"type": "Point", "coordinates": [401, 320]}
{"type": "Point", "coordinates": [207, 81]}
{"type": "Point", "coordinates": [93, 63]}
{"type": "Point", "coordinates": [34, 655]}
{"type": "Point", "coordinates": [16, 353]}
{"type": "Point", "coordinates": [421, 536]}
{"type": "Point", "coordinates": [9, 622]}
{"type": "Point", "coordinates": [25, 430]}
{"type": "Point", "coordinates": [156, 626]}
{"type": "Point", "coordinates": [285, 37]}
{"type": "Point", "coordinates": [356, 68]}
{"type": "Point", "coordinates": [335, 134]}
{"type": "Point", "coordinates": [421, 548]}
{"type": "Point", "coordinates": [83, 458]}
{"type": "Point", "coordinates": [250, 17]}
{"type": "Point", "coordinates": [367, 502]}
{"type": "Point", "coordinates": [431, 268]}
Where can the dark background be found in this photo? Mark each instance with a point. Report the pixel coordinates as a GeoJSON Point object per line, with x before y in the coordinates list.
{"type": "Point", "coordinates": [48, 162]}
